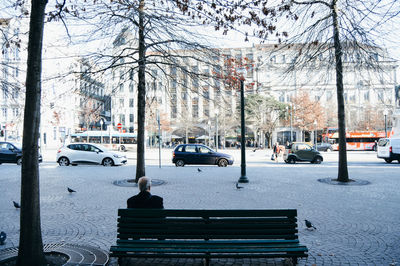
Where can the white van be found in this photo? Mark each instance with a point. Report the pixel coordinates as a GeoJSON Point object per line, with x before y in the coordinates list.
{"type": "Point", "coordinates": [389, 149]}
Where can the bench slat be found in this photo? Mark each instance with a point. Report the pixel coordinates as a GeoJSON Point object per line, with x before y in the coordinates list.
{"type": "Point", "coordinates": [210, 255]}
{"type": "Point", "coordinates": [209, 242]}
{"type": "Point", "coordinates": [211, 250]}
{"type": "Point", "coordinates": [205, 213]}
{"type": "Point", "coordinates": [227, 226]}
{"type": "Point", "coordinates": [267, 220]}
{"type": "Point", "coordinates": [230, 236]}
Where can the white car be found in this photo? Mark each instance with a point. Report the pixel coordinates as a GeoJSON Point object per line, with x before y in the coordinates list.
{"type": "Point", "coordinates": [88, 153]}
{"type": "Point", "coordinates": [389, 149]}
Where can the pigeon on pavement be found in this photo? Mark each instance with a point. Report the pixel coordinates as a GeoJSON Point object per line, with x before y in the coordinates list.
{"type": "Point", "coordinates": [70, 190]}
{"type": "Point", "coordinates": [309, 224]}
{"type": "Point", "coordinates": [237, 186]}
{"type": "Point", "coordinates": [199, 170]}
{"type": "Point", "coordinates": [16, 205]}
{"type": "Point", "coordinates": [3, 237]}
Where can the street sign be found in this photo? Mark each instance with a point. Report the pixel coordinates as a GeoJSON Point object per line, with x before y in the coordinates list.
{"type": "Point", "coordinates": [119, 125]}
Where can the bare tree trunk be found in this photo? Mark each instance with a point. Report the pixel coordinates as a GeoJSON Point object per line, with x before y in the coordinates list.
{"type": "Point", "coordinates": [140, 164]}
{"type": "Point", "coordinates": [30, 238]}
{"type": "Point", "coordinates": [343, 174]}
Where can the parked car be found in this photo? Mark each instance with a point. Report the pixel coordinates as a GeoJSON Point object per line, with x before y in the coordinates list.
{"type": "Point", "coordinates": [11, 152]}
{"type": "Point", "coordinates": [199, 154]}
{"type": "Point", "coordinates": [88, 153]}
{"type": "Point", "coordinates": [302, 152]}
{"type": "Point", "coordinates": [389, 149]}
{"type": "Point", "coordinates": [324, 146]}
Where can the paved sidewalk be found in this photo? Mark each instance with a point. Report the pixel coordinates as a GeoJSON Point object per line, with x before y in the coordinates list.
{"type": "Point", "coordinates": [356, 225]}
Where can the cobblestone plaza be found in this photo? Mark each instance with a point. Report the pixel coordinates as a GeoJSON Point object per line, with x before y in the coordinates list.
{"type": "Point", "coordinates": [356, 224]}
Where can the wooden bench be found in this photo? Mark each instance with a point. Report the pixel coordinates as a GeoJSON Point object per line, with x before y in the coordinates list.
{"type": "Point", "coordinates": [155, 233]}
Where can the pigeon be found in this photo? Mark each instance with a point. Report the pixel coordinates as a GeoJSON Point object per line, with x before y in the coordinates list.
{"type": "Point", "coordinates": [199, 170]}
{"type": "Point", "coordinates": [237, 186]}
{"type": "Point", "coordinates": [309, 224]}
{"type": "Point", "coordinates": [254, 150]}
{"type": "Point", "coordinates": [70, 190]}
{"type": "Point", "coordinates": [3, 237]}
{"type": "Point", "coordinates": [16, 205]}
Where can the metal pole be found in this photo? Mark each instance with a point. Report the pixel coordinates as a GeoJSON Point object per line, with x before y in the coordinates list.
{"type": "Point", "coordinates": [385, 126]}
{"type": "Point", "coordinates": [291, 123]}
{"type": "Point", "coordinates": [159, 139]}
{"type": "Point", "coordinates": [216, 132]}
{"type": "Point", "coordinates": [243, 178]}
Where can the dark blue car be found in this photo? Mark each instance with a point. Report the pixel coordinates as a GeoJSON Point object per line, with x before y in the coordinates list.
{"type": "Point", "coordinates": [199, 154]}
{"type": "Point", "coordinates": [12, 153]}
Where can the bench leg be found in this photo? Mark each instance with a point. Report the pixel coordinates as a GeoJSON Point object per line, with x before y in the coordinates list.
{"type": "Point", "coordinates": [207, 262]}
{"type": "Point", "coordinates": [294, 260]}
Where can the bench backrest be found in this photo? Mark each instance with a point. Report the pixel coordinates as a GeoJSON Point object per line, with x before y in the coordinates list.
{"type": "Point", "coordinates": [207, 224]}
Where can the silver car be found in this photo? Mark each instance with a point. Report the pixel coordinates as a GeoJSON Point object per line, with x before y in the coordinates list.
{"type": "Point", "coordinates": [88, 153]}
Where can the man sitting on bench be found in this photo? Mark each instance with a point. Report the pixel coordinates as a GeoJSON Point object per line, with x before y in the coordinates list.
{"type": "Point", "coordinates": [144, 199]}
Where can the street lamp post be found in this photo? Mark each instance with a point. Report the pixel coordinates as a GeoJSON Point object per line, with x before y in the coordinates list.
{"type": "Point", "coordinates": [159, 138]}
{"type": "Point", "coordinates": [209, 133]}
{"type": "Point", "coordinates": [315, 133]}
{"type": "Point", "coordinates": [101, 131]}
{"type": "Point", "coordinates": [216, 129]}
{"type": "Point", "coordinates": [243, 178]}
{"type": "Point", "coordinates": [291, 123]}
{"type": "Point", "coordinates": [385, 113]}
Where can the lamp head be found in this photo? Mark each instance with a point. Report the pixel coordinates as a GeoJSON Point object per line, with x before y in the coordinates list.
{"type": "Point", "coordinates": [242, 73]}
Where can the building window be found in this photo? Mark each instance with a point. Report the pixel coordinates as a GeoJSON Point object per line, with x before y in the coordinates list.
{"type": "Point", "coordinates": [15, 112]}
{"type": "Point", "coordinates": [366, 96]}
{"type": "Point", "coordinates": [195, 108]}
{"type": "Point", "coordinates": [121, 103]}
{"type": "Point", "coordinates": [328, 95]}
{"type": "Point", "coordinates": [131, 87]}
{"type": "Point", "coordinates": [4, 112]}
{"type": "Point", "coordinates": [4, 93]}
{"type": "Point", "coordinates": [54, 133]}
{"type": "Point", "coordinates": [131, 102]}
{"type": "Point", "coordinates": [121, 87]}
{"type": "Point", "coordinates": [173, 111]}
{"type": "Point", "coordinates": [130, 118]}
{"type": "Point", "coordinates": [122, 119]}
{"type": "Point", "coordinates": [282, 98]}
{"type": "Point", "coordinates": [173, 71]}
{"type": "Point", "coordinates": [381, 96]}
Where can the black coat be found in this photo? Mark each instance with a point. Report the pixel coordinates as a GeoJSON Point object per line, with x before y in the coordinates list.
{"type": "Point", "coordinates": [145, 200]}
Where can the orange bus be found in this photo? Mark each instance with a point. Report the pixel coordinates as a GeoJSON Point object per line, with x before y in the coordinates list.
{"type": "Point", "coordinates": [358, 141]}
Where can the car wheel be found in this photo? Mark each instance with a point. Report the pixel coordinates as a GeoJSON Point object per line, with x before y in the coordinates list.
{"type": "Point", "coordinates": [291, 160]}
{"type": "Point", "coordinates": [180, 163]}
{"type": "Point", "coordinates": [388, 160]}
{"type": "Point", "coordinates": [63, 161]}
{"type": "Point", "coordinates": [107, 162]}
{"type": "Point", "coordinates": [19, 161]}
{"type": "Point", "coordinates": [317, 160]}
{"type": "Point", "coordinates": [222, 163]}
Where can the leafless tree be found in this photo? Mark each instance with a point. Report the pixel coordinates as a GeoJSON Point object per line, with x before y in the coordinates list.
{"type": "Point", "coordinates": [336, 35]}
{"type": "Point", "coordinates": [30, 243]}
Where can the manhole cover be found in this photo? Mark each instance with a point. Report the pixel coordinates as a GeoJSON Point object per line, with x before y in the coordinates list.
{"type": "Point", "coordinates": [77, 254]}
{"type": "Point", "coordinates": [131, 183]}
{"type": "Point", "coordinates": [332, 181]}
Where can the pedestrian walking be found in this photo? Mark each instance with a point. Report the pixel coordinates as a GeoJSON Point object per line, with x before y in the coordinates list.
{"type": "Point", "coordinates": [276, 151]}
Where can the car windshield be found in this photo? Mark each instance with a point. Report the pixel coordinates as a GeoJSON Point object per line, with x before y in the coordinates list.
{"type": "Point", "coordinates": [17, 145]}
{"type": "Point", "coordinates": [383, 142]}
{"type": "Point", "coordinates": [101, 147]}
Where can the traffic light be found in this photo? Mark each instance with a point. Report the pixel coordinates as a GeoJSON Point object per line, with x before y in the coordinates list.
{"type": "Point", "coordinates": [1, 132]}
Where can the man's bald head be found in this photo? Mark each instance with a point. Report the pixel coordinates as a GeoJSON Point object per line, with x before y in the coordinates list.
{"type": "Point", "coordinates": [144, 183]}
